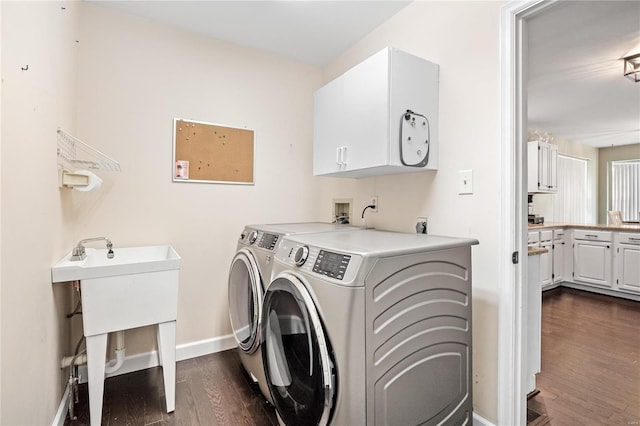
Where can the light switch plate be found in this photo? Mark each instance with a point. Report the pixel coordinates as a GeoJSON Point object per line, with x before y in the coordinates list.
{"type": "Point", "coordinates": [465, 182]}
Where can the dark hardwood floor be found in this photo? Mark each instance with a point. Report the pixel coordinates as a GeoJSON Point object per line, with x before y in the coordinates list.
{"type": "Point", "coordinates": [210, 390]}
{"type": "Point", "coordinates": [590, 375]}
{"type": "Point", "coordinates": [590, 359]}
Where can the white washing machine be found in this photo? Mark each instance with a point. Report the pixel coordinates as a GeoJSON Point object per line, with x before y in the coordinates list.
{"type": "Point", "coordinates": [369, 328]}
{"type": "Point", "coordinates": [249, 273]}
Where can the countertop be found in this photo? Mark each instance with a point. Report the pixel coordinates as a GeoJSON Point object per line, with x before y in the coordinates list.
{"type": "Point", "coordinates": [555, 225]}
{"type": "Point", "coordinates": [534, 251]}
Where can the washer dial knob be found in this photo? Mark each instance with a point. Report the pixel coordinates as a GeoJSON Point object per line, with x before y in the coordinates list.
{"type": "Point", "coordinates": [253, 237]}
{"type": "Point", "coordinates": [301, 255]}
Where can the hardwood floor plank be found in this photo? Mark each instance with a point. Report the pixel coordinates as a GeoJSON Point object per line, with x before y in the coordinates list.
{"type": "Point", "coordinates": [210, 390]}
{"type": "Point", "coordinates": [590, 359]}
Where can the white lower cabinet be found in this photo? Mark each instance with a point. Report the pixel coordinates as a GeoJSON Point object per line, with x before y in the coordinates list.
{"type": "Point", "coordinates": [606, 261]}
{"type": "Point", "coordinates": [627, 262]}
{"type": "Point", "coordinates": [546, 259]}
{"type": "Point", "coordinates": [592, 258]}
{"type": "Point", "coordinates": [559, 255]}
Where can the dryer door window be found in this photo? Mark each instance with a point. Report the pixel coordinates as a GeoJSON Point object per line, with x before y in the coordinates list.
{"type": "Point", "coordinates": [245, 300]}
{"type": "Point", "coordinates": [296, 354]}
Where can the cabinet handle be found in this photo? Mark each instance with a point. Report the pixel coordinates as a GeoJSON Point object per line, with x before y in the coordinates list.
{"type": "Point", "coordinates": [591, 235]}
{"type": "Point", "coordinates": [634, 239]}
{"type": "Point", "coordinates": [341, 154]}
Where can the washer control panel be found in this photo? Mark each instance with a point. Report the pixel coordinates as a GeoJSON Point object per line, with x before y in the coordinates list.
{"type": "Point", "coordinates": [268, 241]}
{"type": "Point", "coordinates": [333, 265]}
{"type": "Point", "coordinates": [260, 239]}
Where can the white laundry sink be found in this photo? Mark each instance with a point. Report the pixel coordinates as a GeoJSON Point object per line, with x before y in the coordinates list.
{"type": "Point", "coordinates": [126, 261]}
{"type": "Point", "coordinates": [137, 287]}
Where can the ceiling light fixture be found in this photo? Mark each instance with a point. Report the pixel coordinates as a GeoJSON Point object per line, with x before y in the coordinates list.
{"type": "Point", "coordinates": [632, 67]}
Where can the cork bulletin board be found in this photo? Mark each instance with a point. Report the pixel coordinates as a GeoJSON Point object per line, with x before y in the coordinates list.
{"type": "Point", "coordinates": [204, 152]}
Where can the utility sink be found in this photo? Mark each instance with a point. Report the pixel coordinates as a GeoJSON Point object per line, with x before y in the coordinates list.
{"type": "Point", "coordinates": [137, 287]}
{"type": "Point", "coordinates": [127, 261]}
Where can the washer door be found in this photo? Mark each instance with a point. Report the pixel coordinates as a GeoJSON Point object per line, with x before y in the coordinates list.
{"type": "Point", "coordinates": [296, 354]}
{"type": "Point", "coordinates": [245, 300]}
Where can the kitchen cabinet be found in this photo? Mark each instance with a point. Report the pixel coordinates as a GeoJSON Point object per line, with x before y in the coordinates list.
{"type": "Point", "coordinates": [546, 259]}
{"type": "Point", "coordinates": [592, 258]}
{"type": "Point", "coordinates": [542, 167]}
{"type": "Point", "coordinates": [559, 255]}
{"type": "Point", "coordinates": [380, 117]}
{"type": "Point", "coordinates": [627, 262]}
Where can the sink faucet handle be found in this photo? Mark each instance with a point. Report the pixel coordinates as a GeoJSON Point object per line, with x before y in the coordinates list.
{"type": "Point", "coordinates": [79, 252]}
{"type": "Point", "coordinates": [110, 253]}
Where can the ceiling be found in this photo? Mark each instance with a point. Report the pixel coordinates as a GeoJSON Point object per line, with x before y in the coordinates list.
{"type": "Point", "coordinates": [576, 89]}
{"type": "Point", "coordinates": [313, 32]}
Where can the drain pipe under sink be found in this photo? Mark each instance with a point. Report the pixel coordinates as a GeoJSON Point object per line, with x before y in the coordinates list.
{"type": "Point", "coordinates": [114, 365]}
{"type": "Point", "coordinates": [111, 367]}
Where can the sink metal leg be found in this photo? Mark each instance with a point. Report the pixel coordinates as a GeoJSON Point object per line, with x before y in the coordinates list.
{"type": "Point", "coordinates": [167, 351]}
{"type": "Point", "coordinates": [96, 351]}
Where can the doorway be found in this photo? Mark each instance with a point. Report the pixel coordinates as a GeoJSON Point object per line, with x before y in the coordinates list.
{"type": "Point", "coordinates": [512, 403]}
{"type": "Point", "coordinates": [516, 20]}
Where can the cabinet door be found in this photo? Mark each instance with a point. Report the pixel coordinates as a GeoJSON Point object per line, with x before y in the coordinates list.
{"type": "Point", "coordinates": [543, 166]}
{"type": "Point", "coordinates": [592, 262]}
{"type": "Point", "coordinates": [553, 168]}
{"type": "Point", "coordinates": [628, 267]}
{"type": "Point", "coordinates": [328, 128]}
{"type": "Point", "coordinates": [366, 114]}
{"type": "Point", "coordinates": [546, 265]}
{"type": "Point", "coordinates": [558, 260]}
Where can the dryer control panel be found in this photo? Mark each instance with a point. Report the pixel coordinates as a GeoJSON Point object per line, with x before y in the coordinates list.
{"type": "Point", "coordinates": [333, 265]}
{"type": "Point", "coordinates": [341, 268]}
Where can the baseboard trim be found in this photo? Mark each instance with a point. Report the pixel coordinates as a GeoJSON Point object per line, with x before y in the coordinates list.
{"type": "Point", "coordinates": [481, 421]}
{"type": "Point", "coordinates": [605, 291]}
{"type": "Point", "coordinates": [150, 359]}
{"type": "Point", "coordinates": [205, 347]}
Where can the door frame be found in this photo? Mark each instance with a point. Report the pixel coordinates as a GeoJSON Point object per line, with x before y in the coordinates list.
{"type": "Point", "coordinates": [512, 357]}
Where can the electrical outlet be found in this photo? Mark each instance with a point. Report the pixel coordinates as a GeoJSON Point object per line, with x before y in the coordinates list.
{"type": "Point", "coordinates": [374, 202]}
{"type": "Point", "coordinates": [421, 225]}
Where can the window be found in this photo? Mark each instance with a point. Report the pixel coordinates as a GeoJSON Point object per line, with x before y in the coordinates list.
{"type": "Point", "coordinates": [570, 202]}
{"type": "Point", "coordinates": [624, 189]}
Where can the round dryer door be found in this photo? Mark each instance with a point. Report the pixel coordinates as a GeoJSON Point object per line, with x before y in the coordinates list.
{"type": "Point", "coordinates": [296, 354]}
{"type": "Point", "coordinates": [245, 300]}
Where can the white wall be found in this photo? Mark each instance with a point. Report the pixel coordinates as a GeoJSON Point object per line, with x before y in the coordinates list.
{"type": "Point", "coordinates": [135, 76]}
{"type": "Point", "coordinates": [35, 232]}
{"type": "Point", "coordinates": [459, 36]}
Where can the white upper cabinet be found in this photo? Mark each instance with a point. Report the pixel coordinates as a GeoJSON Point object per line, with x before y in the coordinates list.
{"type": "Point", "coordinates": [542, 167]}
{"type": "Point", "coordinates": [380, 117]}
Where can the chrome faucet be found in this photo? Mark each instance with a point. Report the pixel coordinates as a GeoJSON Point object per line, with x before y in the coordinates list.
{"type": "Point", "coordinates": [79, 251]}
